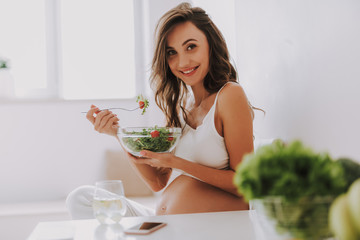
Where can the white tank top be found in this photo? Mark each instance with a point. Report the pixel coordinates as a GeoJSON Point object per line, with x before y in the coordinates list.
{"type": "Point", "coordinates": [204, 145]}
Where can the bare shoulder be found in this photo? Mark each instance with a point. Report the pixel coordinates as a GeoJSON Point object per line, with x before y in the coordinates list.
{"type": "Point", "coordinates": [232, 95]}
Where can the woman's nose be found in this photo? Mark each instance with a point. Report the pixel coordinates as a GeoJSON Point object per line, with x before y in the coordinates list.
{"type": "Point", "coordinates": [183, 60]}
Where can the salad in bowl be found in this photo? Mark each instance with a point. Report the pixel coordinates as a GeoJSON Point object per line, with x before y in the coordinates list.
{"type": "Point", "coordinates": [155, 139]}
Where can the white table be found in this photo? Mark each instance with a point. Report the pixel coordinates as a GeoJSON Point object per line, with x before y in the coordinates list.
{"type": "Point", "coordinates": [218, 225]}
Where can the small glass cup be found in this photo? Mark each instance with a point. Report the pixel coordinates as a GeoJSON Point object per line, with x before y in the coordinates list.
{"type": "Point", "coordinates": [109, 205]}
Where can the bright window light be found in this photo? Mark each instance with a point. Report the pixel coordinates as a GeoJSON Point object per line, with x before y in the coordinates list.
{"type": "Point", "coordinates": [22, 41]}
{"type": "Point", "coordinates": [69, 49]}
{"type": "Point", "coordinates": [97, 49]}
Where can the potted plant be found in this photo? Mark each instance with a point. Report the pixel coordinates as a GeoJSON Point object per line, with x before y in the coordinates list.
{"type": "Point", "coordinates": [3, 63]}
{"type": "Point", "coordinates": [291, 189]}
{"type": "Point", "coordinates": [6, 81]}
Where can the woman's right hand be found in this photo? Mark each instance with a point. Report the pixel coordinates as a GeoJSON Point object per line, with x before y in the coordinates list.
{"type": "Point", "coordinates": [104, 121]}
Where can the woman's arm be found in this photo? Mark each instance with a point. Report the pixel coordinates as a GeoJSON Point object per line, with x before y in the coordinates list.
{"type": "Point", "coordinates": [236, 117]}
{"type": "Point", "coordinates": [107, 122]}
{"type": "Point", "coordinates": [234, 123]}
{"type": "Point", "coordinates": [155, 177]}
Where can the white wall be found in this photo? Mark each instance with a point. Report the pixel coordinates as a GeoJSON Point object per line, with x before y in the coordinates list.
{"type": "Point", "coordinates": [224, 17]}
{"type": "Point", "coordinates": [299, 61]}
{"type": "Point", "coordinates": [49, 148]}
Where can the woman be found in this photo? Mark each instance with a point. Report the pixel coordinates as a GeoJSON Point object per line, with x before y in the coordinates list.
{"type": "Point", "coordinates": [191, 58]}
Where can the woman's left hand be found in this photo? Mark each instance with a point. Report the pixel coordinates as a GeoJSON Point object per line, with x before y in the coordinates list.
{"type": "Point", "coordinates": [158, 160]}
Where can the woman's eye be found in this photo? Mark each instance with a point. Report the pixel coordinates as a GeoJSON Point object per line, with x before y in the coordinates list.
{"type": "Point", "coordinates": [191, 46]}
{"type": "Point", "coordinates": [171, 52]}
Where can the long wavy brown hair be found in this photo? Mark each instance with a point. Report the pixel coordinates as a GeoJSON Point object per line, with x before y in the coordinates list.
{"type": "Point", "coordinates": [170, 92]}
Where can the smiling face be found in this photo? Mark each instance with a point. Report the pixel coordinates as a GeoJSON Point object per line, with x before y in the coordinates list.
{"type": "Point", "coordinates": [187, 53]}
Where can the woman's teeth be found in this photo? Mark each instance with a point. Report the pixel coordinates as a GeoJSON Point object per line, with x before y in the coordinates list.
{"type": "Point", "coordinates": [189, 71]}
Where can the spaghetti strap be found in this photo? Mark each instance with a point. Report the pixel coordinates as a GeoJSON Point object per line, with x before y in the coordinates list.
{"type": "Point", "coordinates": [217, 94]}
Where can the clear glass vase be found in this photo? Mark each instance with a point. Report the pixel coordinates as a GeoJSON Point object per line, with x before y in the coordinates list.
{"type": "Point", "coordinates": [306, 218]}
{"type": "Point", "coordinates": [6, 84]}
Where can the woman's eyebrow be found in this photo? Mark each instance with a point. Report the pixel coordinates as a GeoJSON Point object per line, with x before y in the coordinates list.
{"type": "Point", "coordinates": [191, 39]}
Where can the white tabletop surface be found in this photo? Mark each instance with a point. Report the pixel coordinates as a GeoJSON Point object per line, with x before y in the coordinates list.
{"type": "Point", "coordinates": [216, 225]}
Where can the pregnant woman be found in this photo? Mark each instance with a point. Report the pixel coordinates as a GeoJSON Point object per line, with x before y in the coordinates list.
{"type": "Point", "coordinates": [196, 87]}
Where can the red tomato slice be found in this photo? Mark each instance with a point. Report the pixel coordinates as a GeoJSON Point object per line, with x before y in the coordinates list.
{"type": "Point", "coordinates": [141, 104]}
{"type": "Point", "coordinates": [155, 134]}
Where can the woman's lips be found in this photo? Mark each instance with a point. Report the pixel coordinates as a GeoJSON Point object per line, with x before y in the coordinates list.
{"type": "Point", "coordinates": [189, 72]}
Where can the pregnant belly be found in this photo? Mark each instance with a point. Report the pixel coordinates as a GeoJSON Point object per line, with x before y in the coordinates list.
{"type": "Point", "coordinates": [189, 195]}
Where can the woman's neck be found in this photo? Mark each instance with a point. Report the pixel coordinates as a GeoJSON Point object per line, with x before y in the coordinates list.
{"type": "Point", "coordinates": [200, 94]}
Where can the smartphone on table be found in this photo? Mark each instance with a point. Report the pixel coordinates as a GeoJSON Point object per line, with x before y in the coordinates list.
{"type": "Point", "coordinates": [145, 228]}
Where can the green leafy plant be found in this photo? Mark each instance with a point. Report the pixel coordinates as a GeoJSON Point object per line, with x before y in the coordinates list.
{"type": "Point", "coordinates": [351, 168]}
{"type": "Point", "coordinates": [3, 63]}
{"type": "Point", "coordinates": [292, 171]}
{"type": "Point", "coordinates": [292, 186]}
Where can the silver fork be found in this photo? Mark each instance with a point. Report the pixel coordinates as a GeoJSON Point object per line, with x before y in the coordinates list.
{"type": "Point", "coordinates": [125, 109]}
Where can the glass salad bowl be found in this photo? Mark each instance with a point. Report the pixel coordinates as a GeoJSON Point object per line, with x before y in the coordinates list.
{"type": "Point", "coordinates": [155, 139]}
{"type": "Point", "coordinates": [279, 218]}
